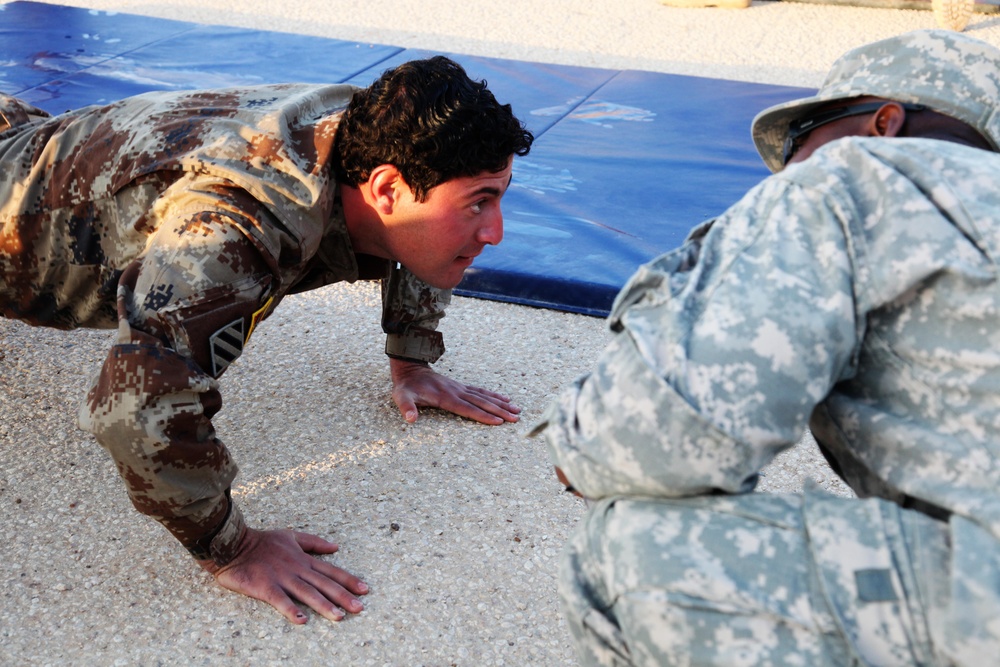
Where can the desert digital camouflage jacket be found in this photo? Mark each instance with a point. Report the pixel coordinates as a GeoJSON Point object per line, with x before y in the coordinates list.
{"type": "Point", "coordinates": [856, 293]}
{"type": "Point", "coordinates": [83, 193]}
{"type": "Point", "coordinates": [71, 222]}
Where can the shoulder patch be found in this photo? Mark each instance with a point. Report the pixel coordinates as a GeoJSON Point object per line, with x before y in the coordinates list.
{"type": "Point", "coordinates": [226, 345]}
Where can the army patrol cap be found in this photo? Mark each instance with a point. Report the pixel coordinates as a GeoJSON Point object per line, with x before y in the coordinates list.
{"type": "Point", "coordinates": [948, 72]}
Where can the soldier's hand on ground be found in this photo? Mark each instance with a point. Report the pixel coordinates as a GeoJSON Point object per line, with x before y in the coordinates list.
{"type": "Point", "coordinates": [275, 566]}
{"type": "Point", "coordinates": [561, 476]}
{"type": "Point", "coordinates": [416, 385]}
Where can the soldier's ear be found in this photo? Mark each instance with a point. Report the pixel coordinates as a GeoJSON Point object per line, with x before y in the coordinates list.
{"type": "Point", "coordinates": [385, 187]}
{"type": "Point", "coordinates": [887, 121]}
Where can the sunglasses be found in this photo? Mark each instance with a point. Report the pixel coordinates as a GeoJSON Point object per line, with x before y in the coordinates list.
{"type": "Point", "coordinates": [798, 128]}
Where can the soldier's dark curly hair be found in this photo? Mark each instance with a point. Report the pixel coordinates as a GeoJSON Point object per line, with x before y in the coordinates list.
{"type": "Point", "coordinates": [432, 122]}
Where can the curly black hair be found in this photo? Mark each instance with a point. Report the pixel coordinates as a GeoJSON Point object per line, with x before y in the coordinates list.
{"type": "Point", "coordinates": [431, 121]}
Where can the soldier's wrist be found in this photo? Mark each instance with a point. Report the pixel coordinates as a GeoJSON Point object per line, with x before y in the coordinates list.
{"type": "Point", "coordinates": [417, 344]}
{"type": "Point", "coordinates": [222, 545]}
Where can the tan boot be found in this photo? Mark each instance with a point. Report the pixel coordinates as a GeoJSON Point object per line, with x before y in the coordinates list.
{"type": "Point", "coordinates": [725, 4]}
{"type": "Point", "coordinates": [952, 14]}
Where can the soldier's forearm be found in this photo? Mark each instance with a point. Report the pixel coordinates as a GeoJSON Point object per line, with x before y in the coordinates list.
{"type": "Point", "coordinates": [151, 409]}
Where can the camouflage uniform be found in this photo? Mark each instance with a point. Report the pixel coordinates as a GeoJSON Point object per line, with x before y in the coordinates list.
{"type": "Point", "coordinates": [856, 293]}
{"type": "Point", "coordinates": [183, 219]}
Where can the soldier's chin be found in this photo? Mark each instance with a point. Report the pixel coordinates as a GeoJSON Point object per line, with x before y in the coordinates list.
{"type": "Point", "coordinates": [443, 281]}
{"type": "Point", "coordinates": [445, 277]}
{"type": "Point", "coordinates": [449, 284]}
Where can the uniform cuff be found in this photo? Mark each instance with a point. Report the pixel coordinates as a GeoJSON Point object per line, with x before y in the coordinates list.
{"type": "Point", "coordinates": [417, 344]}
{"type": "Point", "coordinates": [221, 547]}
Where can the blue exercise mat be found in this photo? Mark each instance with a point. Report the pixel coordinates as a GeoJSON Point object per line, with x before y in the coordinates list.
{"type": "Point", "coordinates": [624, 164]}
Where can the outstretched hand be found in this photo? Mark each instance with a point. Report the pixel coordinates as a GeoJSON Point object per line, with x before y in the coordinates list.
{"type": "Point", "coordinates": [561, 476]}
{"type": "Point", "coordinates": [274, 566]}
{"type": "Point", "coordinates": [416, 385]}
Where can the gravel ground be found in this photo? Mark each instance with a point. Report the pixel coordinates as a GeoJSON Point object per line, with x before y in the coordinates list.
{"type": "Point", "coordinates": [456, 526]}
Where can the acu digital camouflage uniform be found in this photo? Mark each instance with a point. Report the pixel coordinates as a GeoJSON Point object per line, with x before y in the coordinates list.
{"type": "Point", "coordinates": [856, 293]}
{"type": "Point", "coordinates": [182, 219]}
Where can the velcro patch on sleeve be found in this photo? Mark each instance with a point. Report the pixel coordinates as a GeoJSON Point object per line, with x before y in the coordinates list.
{"type": "Point", "coordinates": [875, 585]}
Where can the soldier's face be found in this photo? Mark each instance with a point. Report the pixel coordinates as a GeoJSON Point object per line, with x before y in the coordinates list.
{"type": "Point", "coordinates": [438, 239]}
{"type": "Point", "coordinates": [848, 127]}
{"type": "Point", "coordinates": [856, 122]}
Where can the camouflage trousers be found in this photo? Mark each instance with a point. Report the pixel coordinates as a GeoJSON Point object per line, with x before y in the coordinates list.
{"type": "Point", "coordinates": [754, 580]}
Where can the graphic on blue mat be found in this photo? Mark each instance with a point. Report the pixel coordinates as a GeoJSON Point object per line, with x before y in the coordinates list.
{"type": "Point", "coordinates": [625, 162]}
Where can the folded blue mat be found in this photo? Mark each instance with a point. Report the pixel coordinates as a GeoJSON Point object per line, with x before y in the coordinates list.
{"type": "Point", "coordinates": [624, 164]}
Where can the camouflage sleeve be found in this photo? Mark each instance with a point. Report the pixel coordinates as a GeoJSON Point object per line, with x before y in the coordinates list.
{"type": "Point", "coordinates": [185, 309]}
{"type": "Point", "coordinates": [411, 310]}
{"type": "Point", "coordinates": [721, 350]}
{"type": "Point", "coordinates": [15, 112]}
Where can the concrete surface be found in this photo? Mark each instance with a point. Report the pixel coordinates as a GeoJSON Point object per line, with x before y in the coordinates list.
{"type": "Point", "coordinates": [457, 527]}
